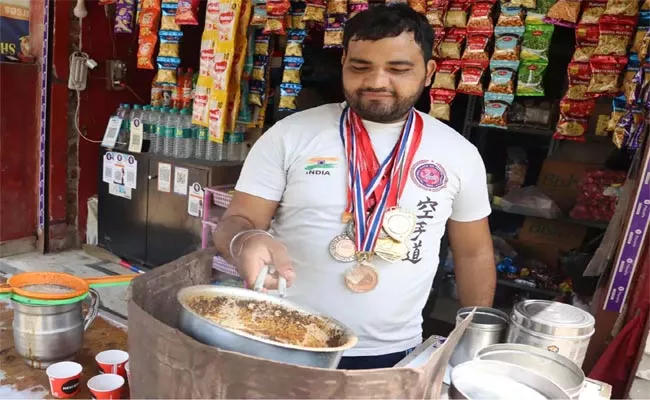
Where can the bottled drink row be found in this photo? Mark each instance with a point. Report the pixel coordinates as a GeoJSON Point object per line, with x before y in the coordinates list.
{"type": "Point", "coordinates": [170, 132]}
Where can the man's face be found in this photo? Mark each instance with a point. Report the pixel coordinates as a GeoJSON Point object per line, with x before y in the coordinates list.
{"type": "Point", "coordinates": [383, 79]}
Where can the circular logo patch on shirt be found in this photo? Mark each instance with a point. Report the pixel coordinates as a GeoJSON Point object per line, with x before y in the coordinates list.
{"type": "Point", "coordinates": [429, 175]}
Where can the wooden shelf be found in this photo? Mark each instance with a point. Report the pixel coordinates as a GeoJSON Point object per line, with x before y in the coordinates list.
{"type": "Point", "coordinates": [589, 224]}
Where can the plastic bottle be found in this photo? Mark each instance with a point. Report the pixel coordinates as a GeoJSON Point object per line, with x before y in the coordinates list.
{"type": "Point", "coordinates": [169, 128]}
{"type": "Point", "coordinates": [200, 141]}
{"type": "Point", "coordinates": [184, 143]}
{"type": "Point", "coordinates": [146, 128]}
{"type": "Point", "coordinates": [214, 151]}
{"type": "Point", "coordinates": [123, 136]}
{"type": "Point", "coordinates": [157, 138]}
{"type": "Point", "coordinates": [234, 143]}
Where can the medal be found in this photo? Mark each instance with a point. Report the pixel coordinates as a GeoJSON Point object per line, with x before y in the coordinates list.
{"type": "Point", "coordinates": [373, 192]}
{"type": "Point", "coordinates": [361, 278]}
{"type": "Point", "coordinates": [342, 248]}
{"type": "Point", "coordinates": [388, 249]}
{"type": "Point", "coordinates": [399, 223]}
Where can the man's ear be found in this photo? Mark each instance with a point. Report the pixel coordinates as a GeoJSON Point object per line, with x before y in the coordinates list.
{"type": "Point", "coordinates": [431, 69]}
{"type": "Point", "coordinates": [343, 57]}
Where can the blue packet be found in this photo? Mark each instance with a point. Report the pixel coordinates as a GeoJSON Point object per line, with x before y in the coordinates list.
{"type": "Point", "coordinates": [288, 94]}
{"type": "Point", "coordinates": [495, 110]}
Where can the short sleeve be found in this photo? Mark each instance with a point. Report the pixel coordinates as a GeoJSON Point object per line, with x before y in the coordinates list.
{"type": "Point", "coordinates": [472, 201]}
{"type": "Point", "coordinates": [263, 174]}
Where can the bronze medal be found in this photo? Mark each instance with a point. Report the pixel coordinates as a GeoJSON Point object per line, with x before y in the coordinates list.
{"type": "Point", "coordinates": [388, 249]}
{"type": "Point", "coordinates": [342, 248]}
{"type": "Point", "coordinates": [362, 278]}
{"type": "Point", "coordinates": [399, 223]}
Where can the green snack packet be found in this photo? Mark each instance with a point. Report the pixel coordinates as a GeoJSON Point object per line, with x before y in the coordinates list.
{"type": "Point", "coordinates": [531, 78]}
{"type": "Point", "coordinates": [537, 39]}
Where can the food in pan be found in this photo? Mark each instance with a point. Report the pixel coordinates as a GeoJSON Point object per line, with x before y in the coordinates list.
{"type": "Point", "coordinates": [268, 321]}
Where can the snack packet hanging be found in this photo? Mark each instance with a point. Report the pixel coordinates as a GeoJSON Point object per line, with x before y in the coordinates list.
{"type": "Point", "coordinates": [541, 9]}
{"type": "Point", "coordinates": [314, 11]}
{"type": "Point", "coordinates": [457, 14]}
{"type": "Point", "coordinates": [471, 78]}
{"type": "Point", "coordinates": [510, 17]}
{"type": "Point", "coordinates": [295, 38]}
{"type": "Point", "coordinates": [592, 11]}
{"type": "Point", "coordinates": [531, 4]}
{"type": "Point", "coordinates": [495, 110]}
{"type": "Point", "coordinates": [356, 6]}
{"type": "Point", "coordinates": [124, 16]}
{"type": "Point", "coordinates": [446, 75]}
{"type": "Point", "coordinates": [438, 37]}
{"type": "Point", "coordinates": [167, 70]}
{"type": "Point", "coordinates": [148, 34]}
{"type": "Point", "coordinates": [506, 45]}
{"type": "Point", "coordinates": [564, 13]}
{"type": "Point", "coordinates": [536, 42]}
{"type": "Point", "coordinates": [419, 6]}
{"type": "Point", "coordinates": [633, 81]}
{"type": "Point", "coordinates": [436, 12]}
{"type": "Point", "coordinates": [149, 18]}
{"type": "Point", "coordinates": [296, 12]}
{"type": "Point", "coordinates": [288, 97]}
{"type": "Point", "coordinates": [530, 78]}
{"type": "Point", "coordinates": [168, 19]}
{"type": "Point", "coordinates": [579, 78]}
{"type": "Point", "coordinates": [170, 43]}
{"type": "Point", "coordinates": [480, 19]}
{"type": "Point", "coordinates": [337, 7]}
{"type": "Point", "coordinates": [605, 76]}
{"type": "Point", "coordinates": [622, 8]}
{"type": "Point", "coordinates": [571, 128]}
{"type": "Point", "coordinates": [622, 128]}
{"type": "Point", "coordinates": [452, 45]}
{"type": "Point", "coordinates": [618, 109]}
{"type": "Point", "coordinates": [291, 71]}
{"type": "Point", "coordinates": [441, 100]}
{"type": "Point", "coordinates": [614, 37]}
{"type": "Point", "coordinates": [477, 48]}
{"type": "Point", "coordinates": [187, 12]}
{"type": "Point", "coordinates": [586, 41]}
{"type": "Point", "coordinates": [333, 37]}
{"type": "Point", "coordinates": [146, 47]}
{"type": "Point", "coordinates": [639, 46]}
{"type": "Point", "coordinates": [502, 76]}
{"type": "Point", "coordinates": [276, 12]}
{"type": "Point", "coordinates": [258, 19]}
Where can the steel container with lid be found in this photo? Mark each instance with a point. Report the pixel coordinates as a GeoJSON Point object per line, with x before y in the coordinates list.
{"type": "Point", "coordinates": [488, 327]}
{"type": "Point", "coordinates": [557, 327]}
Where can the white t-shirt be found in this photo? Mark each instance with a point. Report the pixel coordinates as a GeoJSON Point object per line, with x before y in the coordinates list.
{"type": "Point", "coordinates": [300, 162]}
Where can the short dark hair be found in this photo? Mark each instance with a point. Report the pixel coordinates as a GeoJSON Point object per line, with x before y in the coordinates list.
{"type": "Point", "coordinates": [386, 21]}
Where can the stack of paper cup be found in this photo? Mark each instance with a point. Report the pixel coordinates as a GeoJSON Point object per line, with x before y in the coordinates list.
{"type": "Point", "coordinates": [64, 379]}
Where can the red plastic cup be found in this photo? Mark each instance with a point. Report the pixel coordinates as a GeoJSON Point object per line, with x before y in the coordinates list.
{"type": "Point", "coordinates": [64, 379]}
{"type": "Point", "coordinates": [106, 386]}
{"type": "Point", "coordinates": [112, 362]}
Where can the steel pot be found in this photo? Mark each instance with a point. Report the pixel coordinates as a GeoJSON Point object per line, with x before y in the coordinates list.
{"type": "Point", "coordinates": [210, 333]}
{"type": "Point", "coordinates": [553, 326]}
{"type": "Point", "coordinates": [488, 327]}
{"type": "Point", "coordinates": [559, 369]}
{"type": "Point", "coordinates": [487, 379]}
{"type": "Point", "coordinates": [44, 335]}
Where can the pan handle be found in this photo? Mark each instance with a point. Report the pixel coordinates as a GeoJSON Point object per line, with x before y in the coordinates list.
{"type": "Point", "coordinates": [93, 310]}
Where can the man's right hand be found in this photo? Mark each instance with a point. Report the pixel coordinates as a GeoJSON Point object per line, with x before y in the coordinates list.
{"type": "Point", "coordinates": [259, 250]}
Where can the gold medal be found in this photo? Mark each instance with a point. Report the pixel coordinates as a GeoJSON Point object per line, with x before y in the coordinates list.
{"type": "Point", "coordinates": [390, 250]}
{"type": "Point", "coordinates": [399, 223]}
{"type": "Point", "coordinates": [342, 248]}
{"type": "Point", "coordinates": [361, 278]}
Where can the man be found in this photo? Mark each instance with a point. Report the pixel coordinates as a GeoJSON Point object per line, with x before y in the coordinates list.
{"type": "Point", "coordinates": [360, 194]}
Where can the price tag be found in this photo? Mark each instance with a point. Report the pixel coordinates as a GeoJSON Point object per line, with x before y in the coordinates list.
{"type": "Point", "coordinates": [130, 172]}
{"type": "Point", "coordinates": [195, 200]}
{"type": "Point", "coordinates": [112, 130]}
{"type": "Point", "coordinates": [164, 177]}
{"type": "Point", "coordinates": [137, 133]}
{"type": "Point", "coordinates": [107, 167]}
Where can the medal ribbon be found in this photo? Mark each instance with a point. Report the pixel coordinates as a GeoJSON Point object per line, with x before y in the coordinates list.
{"type": "Point", "coordinates": [367, 190]}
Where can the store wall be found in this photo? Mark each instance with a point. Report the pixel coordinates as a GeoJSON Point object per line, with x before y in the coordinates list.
{"type": "Point", "coordinates": [75, 161]}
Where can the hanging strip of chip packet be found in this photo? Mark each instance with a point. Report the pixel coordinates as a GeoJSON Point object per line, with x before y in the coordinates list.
{"type": "Point", "coordinates": [124, 16]}
{"type": "Point", "coordinates": [530, 78]}
{"type": "Point", "coordinates": [502, 76]}
{"type": "Point", "coordinates": [170, 43]}
{"type": "Point", "coordinates": [441, 100]}
{"type": "Point", "coordinates": [167, 70]}
{"type": "Point", "coordinates": [188, 12]}
{"type": "Point", "coordinates": [148, 34]}
{"type": "Point", "coordinates": [168, 19]}
{"type": "Point", "coordinates": [536, 42]}
{"type": "Point", "coordinates": [495, 110]}
{"type": "Point", "coordinates": [288, 96]}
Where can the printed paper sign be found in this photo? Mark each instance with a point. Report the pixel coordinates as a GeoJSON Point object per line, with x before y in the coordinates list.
{"type": "Point", "coordinates": [195, 200]}
{"type": "Point", "coordinates": [107, 167]}
{"type": "Point", "coordinates": [164, 177]}
{"type": "Point", "coordinates": [137, 132]}
{"type": "Point", "coordinates": [112, 130]}
{"type": "Point", "coordinates": [119, 191]}
{"type": "Point", "coordinates": [119, 167]}
{"type": "Point", "coordinates": [130, 171]}
{"type": "Point", "coordinates": [630, 251]}
{"type": "Point", "coordinates": [180, 180]}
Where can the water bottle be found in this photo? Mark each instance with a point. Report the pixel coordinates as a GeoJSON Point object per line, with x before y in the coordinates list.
{"type": "Point", "coordinates": [146, 128]}
{"type": "Point", "coordinates": [234, 143]}
{"type": "Point", "coordinates": [183, 142]}
{"type": "Point", "coordinates": [214, 151]}
{"type": "Point", "coordinates": [201, 141]}
{"type": "Point", "coordinates": [169, 128]}
{"type": "Point", "coordinates": [123, 136]}
{"type": "Point", "coordinates": [157, 136]}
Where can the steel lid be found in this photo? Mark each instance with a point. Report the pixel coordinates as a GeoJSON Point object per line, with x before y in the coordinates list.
{"type": "Point", "coordinates": [553, 318]}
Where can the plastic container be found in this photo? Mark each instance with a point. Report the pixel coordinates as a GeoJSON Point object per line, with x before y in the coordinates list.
{"type": "Point", "coordinates": [157, 136]}
{"type": "Point", "coordinates": [200, 141]}
{"type": "Point", "coordinates": [234, 145]}
{"type": "Point", "coordinates": [214, 151]}
{"type": "Point", "coordinates": [183, 141]}
{"type": "Point", "coordinates": [169, 128]}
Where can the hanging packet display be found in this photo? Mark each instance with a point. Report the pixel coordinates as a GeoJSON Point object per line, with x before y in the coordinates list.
{"type": "Point", "coordinates": [234, 94]}
{"type": "Point", "coordinates": [446, 75]}
{"type": "Point", "coordinates": [452, 45]}
{"type": "Point", "coordinates": [148, 34]}
{"type": "Point", "coordinates": [187, 12]}
{"type": "Point", "coordinates": [258, 20]}
{"type": "Point", "coordinates": [276, 12]}
{"type": "Point", "coordinates": [170, 43]}
{"type": "Point", "coordinates": [639, 43]}
{"type": "Point", "coordinates": [495, 110]}
{"type": "Point", "coordinates": [502, 76]}
{"type": "Point", "coordinates": [124, 16]}
{"type": "Point", "coordinates": [618, 109]}
{"type": "Point", "coordinates": [480, 18]}
{"type": "Point", "coordinates": [471, 78]}
{"type": "Point", "coordinates": [586, 42]}
{"type": "Point", "coordinates": [296, 13]}
{"type": "Point", "coordinates": [536, 42]}
{"type": "Point", "coordinates": [519, 3]}
{"type": "Point", "coordinates": [295, 39]}
{"type": "Point", "coordinates": [511, 17]}
{"type": "Point", "coordinates": [166, 75]}
{"type": "Point", "coordinates": [507, 44]}
{"type": "Point", "coordinates": [530, 78]}
{"type": "Point", "coordinates": [334, 26]}
{"type": "Point", "coordinates": [436, 12]}
{"type": "Point", "coordinates": [622, 8]}
{"type": "Point", "coordinates": [288, 94]}
{"type": "Point", "coordinates": [605, 76]}
{"type": "Point", "coordinates": [457, 14]}
{"type": "Point", "coordinates": [315, 11]}
{"type": "Point", "coordinates": [440, 100]}
{"type": "Point", "coordinates": [579, 77]}
{"type": "Point", "coordinates": [564, 13]}
{"type": "Point", "coordinates": [592, 11]}
{"type": "Point", "coordinates": [168, 20]}
{"type": "Point", "coordinates": [614, 37]}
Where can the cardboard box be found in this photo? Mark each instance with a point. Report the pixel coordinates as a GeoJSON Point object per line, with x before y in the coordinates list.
{"type": "Point", "coordinates": [545, 239]}
{"type": "Point", "coordinates": [559, 180]}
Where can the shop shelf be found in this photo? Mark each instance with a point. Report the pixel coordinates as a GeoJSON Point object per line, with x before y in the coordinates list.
{"type": "Point", "coordinates": [520, 129]}
{"type": "Point", "coordinates": [589, 224]}
{"type": "Point", "coordinates": [525, 288]}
